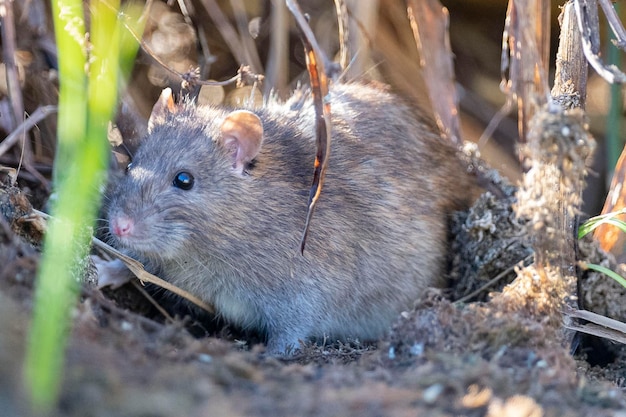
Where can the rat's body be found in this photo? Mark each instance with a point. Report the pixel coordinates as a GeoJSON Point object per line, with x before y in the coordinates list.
{"type": "Point", "coordinates": [377, 238]}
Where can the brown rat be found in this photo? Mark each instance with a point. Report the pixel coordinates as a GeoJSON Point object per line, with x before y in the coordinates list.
{"type": "Point", "coordinates": [215, 202]}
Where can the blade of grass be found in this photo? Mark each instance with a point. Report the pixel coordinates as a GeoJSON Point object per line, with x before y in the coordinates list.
{"type": "Point", "coordinates": [595, 222]}
{"type": "Point", "coordinates": [69, 29]}
{"type": "Point", "coordinates": [132, 22]}
{"type": "Point", "coordinates": [86, 104]}
{"type": "Point", "coordinates": [55, 287]}
{"type": "Point", "coordinates": [604, 270]}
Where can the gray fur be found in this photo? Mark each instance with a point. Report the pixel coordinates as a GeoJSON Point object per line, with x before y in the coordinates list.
{"type": "Point", "coordinates": [377, 239]}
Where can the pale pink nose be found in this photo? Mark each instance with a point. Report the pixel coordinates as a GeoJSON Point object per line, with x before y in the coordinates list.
{"type": "Point", "coordinates": [122, 226]}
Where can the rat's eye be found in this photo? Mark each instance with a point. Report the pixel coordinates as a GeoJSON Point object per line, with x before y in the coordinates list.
{"type": "Point", "coordinates": [183, 180]}
{"type": "Point", "coordinates": [128, 167]}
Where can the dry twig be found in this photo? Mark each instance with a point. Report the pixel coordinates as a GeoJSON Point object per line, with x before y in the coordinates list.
{"type": "Point", "coordinates": [587, 14]}
{"type": "Point", "coordinates": [241, 50]}
{"type": "Point", "coordinates": [244, 75]}
{"type": "Point", "coordinates": [316, 66]}
{"type": "Point", "coordinates": [39, 114]}
{"type": "Point", "coordinates": [429, 21]}
{"type": "Point", "coordinates": [598, 325]}
{"type": "Point", "coordinates": [278, 57]}
{"type": "Point", "coordinates": [525, 49]}
{"type": "Point", "coordinates": [9, 48]}
{"type": "Point", "coordinates": [187, 10]}
{"type": "Point", "coordinates": [344, 33]}
{"type": "Point", "coordinates": [137, 268]}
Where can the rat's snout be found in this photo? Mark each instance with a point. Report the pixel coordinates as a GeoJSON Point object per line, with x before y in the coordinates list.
{"type": "Point", "coordinates": [122, 226]}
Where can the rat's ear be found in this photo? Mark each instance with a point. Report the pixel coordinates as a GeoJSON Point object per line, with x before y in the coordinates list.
{"type": "Point", "coordinates": [241, 133]}
{"type": "Point", "coordinates": [162, 108]}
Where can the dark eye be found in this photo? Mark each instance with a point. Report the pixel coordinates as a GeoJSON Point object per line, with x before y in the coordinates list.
{"type": "Point", "coordinates": [183, 180]}
{"type": "Point", "coordinates": [128, 167]}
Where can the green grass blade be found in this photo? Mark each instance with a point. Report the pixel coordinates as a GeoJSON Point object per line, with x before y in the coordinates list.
{"type": "Point", "coordinates": [69, 29]}
{"type": "Point", "coordinates": [131, 19]}
{"type": "Point", "coordinates": [86, 103]}
{"type": "Point", "coordinates": [599, 268]}
{"type": "Point", "coordinates": [56, 287]}
{"type": "Point", "coordinates": [594, 222]}
{"type": "Point", "coordinates": [103, 74]}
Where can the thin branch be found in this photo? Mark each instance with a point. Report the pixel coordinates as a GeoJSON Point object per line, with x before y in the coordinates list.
{"type": "Point", "coordinates": [8, 55]}
{"type": "Point", "coordinates": [344, 33]}
{"type": "Point", "coordinates": [524, 45]}
{"type": "Point", "coordinates": [492, 281]}
{"type": "Point", "coordinates": [615, 23]}
{"type": "Point", "coordinates": [586, 14]}
{"type": "Point", "coordinates": [244, 75]}
{"type": "Point", "coordinates": [12, 77]}
{"type": "Point", "coordinates": [597, 319]}
{"type": "Point", "coordinates": [151, 300]}
{"type": "Point", "coordinates": [39, 114]}
{"type": "Point", "coordinates": [250, 50]}
{"type": "Point", "coordinates": [317, 62]}
{"type": "Point", "coordinates": [429, 21]}
{"type": "Point", "coordinates": [137, 268]}
{"type": "Point", "coordinates": [303, 24]}
{"type": "Point", "coordinates": [207, 58]}
{"type": "Point", "coordinates": [229, 34]}
{"type": "Point", "coordinates": [277, 66]}
{"type": "Point", "coordinates": [599, 325]}
{"type": "Point", "coordinates": [570, 76]}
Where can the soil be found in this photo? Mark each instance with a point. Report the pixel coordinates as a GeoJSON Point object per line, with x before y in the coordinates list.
{"type": "Point", "coordinates": [505, 356]}
{"type": "Point", "coordinates": [461, 351]}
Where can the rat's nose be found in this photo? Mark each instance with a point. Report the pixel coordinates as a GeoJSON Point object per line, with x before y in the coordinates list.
{"type": "Point", "coordinates": [122, 226]}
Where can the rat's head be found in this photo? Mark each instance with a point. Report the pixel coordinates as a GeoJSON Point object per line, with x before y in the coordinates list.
{"type": "Point", "coordinates": [183, 176]}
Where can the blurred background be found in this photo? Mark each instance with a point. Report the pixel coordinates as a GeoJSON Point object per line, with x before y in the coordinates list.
{"type": "Point", "coordinates": [217, 36]}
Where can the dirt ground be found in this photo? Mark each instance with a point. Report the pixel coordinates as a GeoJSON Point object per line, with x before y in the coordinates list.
{"type": "Point", "coordinates": [501, 357]}
{"type": "Point", "coordinates": [503, 352]}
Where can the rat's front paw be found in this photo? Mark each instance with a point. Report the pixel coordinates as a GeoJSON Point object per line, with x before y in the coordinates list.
{"type": "Point", "coordinates": [111, 273]}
